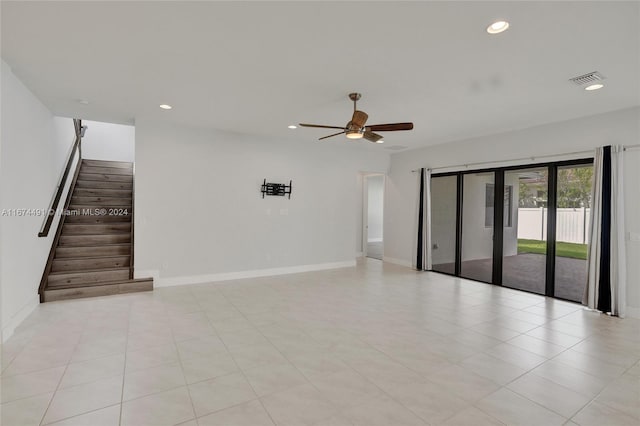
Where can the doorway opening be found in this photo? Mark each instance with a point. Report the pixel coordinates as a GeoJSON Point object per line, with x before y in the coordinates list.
{"type": "Point", "coordinates": [373, 218]}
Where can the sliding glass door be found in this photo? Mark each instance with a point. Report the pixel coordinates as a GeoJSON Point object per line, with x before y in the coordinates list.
{"type": "Point", "coordinates": [572, 223]}
{"type": "Point", "coordinates": [477, 226]}
{"type": "Point", "coordinates": [520, 227]}
{"type": "Point", "coordinates": [443, 223]}
{"type": "Point", "coordinates": [524, 235]}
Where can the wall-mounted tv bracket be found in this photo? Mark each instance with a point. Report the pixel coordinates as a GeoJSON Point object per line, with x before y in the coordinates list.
{"type": "Point", "coordinates": [277, 189]}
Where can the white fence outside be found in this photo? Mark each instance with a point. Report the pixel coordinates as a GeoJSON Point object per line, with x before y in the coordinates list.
{"type": "Point", "coordinates": [571, 224]}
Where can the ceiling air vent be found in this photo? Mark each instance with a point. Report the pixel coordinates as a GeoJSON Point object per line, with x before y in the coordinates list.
{"type": "Point", "coordinates": [395, 147]}
{"type": "Point", "coordinates": [590, 78]}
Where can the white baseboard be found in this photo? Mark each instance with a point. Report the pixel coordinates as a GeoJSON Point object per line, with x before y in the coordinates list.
{"type": "Point", "coordinates": [228, 276]}
{"type": "Point", "coordinates": [13, 323]}
{"type": "Point", "coordinates": [395, 261]}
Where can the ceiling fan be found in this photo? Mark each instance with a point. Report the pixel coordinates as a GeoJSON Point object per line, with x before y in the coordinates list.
{"type": "Point", "coordinates": [356, 129]}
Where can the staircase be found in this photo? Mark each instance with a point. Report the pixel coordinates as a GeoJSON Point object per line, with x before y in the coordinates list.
{"type": "Point", "coordinates": [94, 248]}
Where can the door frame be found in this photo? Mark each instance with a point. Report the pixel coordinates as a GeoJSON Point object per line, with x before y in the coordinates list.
{"type": "Point", "coordinates": [365, 207]}
{"type": "Point", "coordinates": [498, 208]}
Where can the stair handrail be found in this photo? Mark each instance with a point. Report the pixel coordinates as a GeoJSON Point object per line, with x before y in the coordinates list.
{"type": "Point", "coordinates": [133, 205]}
{"type": "Point", "coordinates": [56, 238]}
{"type": "Point", "coordinates": [77, 146]}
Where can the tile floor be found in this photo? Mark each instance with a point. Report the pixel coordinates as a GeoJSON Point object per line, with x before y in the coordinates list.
{"type": "Point", "coordinates": [373, 345]}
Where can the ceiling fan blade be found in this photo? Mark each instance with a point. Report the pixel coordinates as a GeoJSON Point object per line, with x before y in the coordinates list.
{"type": "Point", "coordinates": [330, 136]}
{"type": "Point", "coordinates": [390, 127]}
{"type": "Point", "coordinates": [359, 118]}
{"type": "Point", "coordinates": [320, 126]}
{"type": "Point", "coordinates": [372, 137]}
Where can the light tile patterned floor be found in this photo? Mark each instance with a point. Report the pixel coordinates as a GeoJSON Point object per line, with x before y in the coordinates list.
{"type": "Point", "coordinates": [373, 345]}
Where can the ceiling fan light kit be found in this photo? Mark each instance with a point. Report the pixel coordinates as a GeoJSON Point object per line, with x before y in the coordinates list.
{"type": "Point", "coordinates": [356, 129]}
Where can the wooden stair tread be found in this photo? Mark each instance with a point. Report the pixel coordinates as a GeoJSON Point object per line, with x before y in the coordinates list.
{"type": "Point", "coordinates": [81, 199]}
{"type": "Point", "coordinates": [93, 251]}
{"type": "Point", "coordinates": [126, 226]}
{"type": "Point", "coordinates": [106, 170]}
{"type": "Point", "coordinates": [101, 177]}
{"type": "Point", "coordinates": [99, 239]}
{"type": "Point", "coordinates": [103, 192]}
{"type": "Point", "coordinates": [81, 264]}
{"type": "Point", "coordinates": [82, 285]}
{"type": "Point", "coordinates": [101, 205]}
{"type": "Point", "coordinates": [106, 163]}
{"type": "Point", "coordinates": [98, 219]}
{"type": "Point", "coordinates": [102, 289]}
{"type": "Point", "coordinates": [97, 245]}
{"type": "Point", "coordinates": [70, 278]}
{"type": "Point", "coordinates": [98, 185]}
{"type": "Point", "coordinates": [96, 228]}
{"type": "Point", "coordinates": [94, 240]}
{"type": "Point", "coordinates": [96, 257]}
{"type": "Point", "coordinates": [98, 284]}
{"type": "Point", "coordinates": [89, 271]}
{"type": "Point", "coordinates": [97, 233]}
{"type": "Point", "coordinates": [94, 211]}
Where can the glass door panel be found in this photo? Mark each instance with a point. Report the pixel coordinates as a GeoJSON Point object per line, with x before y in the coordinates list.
{"type": "Point", "coordinates": [477, 226]}
{"type": "Point", "coordinates": [524, 262]}
{"type": "Point", "coordinates": [443, 223]}
{"type": "Point", "coordinates": [572, 223]}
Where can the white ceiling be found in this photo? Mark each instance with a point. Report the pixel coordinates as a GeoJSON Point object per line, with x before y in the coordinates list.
{"type": "Point", "coordinates": [257, 67]}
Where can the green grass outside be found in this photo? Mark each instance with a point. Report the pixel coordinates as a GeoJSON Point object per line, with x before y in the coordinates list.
{"type": "Point", "coordinates": [572, 250]}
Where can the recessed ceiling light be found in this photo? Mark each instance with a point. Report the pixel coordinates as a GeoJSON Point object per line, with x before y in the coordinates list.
{"type": "Point", "coordinates": [292, 127]}
{"type": "Point", "coordinates": [83, 101]}
{"type": "Point", "coordinates": [380, 141]}
{"type": "Point", "coordinates": [594, 87]}
{"type": "Point", "coordinates": [165, 106]}
{"type": "Point", "coordinates": [497, 27]}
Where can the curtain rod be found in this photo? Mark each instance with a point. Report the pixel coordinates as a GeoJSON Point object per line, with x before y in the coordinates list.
{"type": "Point", "coordinates": [532, 158]}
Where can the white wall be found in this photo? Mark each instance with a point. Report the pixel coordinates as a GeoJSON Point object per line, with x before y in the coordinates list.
{"type": "Point", "coordinates": [34, 145]}
{"type": "Point", "coordinates": [109, 142]}
{"type": "Point", "coordinates": [375, 207]}
{"type": "Point", "coordinates": [618, 127]}
{"type": "Point", "coordinates": [199, 212]}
